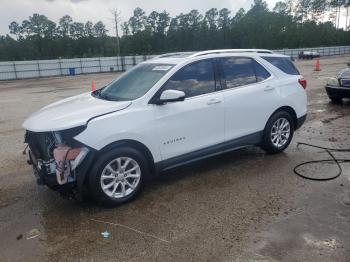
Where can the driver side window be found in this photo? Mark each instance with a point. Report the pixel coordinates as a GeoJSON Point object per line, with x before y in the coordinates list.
{"type": "Point", "coordinates": [195, 79]}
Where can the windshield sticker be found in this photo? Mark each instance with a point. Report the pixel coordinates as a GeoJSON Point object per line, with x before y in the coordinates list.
{"type": "Point", "coordinates": [161, 68]}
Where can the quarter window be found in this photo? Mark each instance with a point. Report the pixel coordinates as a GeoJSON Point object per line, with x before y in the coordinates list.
{"type": "Point", "coordinates": [195, 79]}
{"type": "Point", "coordinates": [284, 64]}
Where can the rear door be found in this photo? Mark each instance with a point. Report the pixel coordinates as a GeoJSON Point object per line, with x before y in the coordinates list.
{"type": "Point", "coordinates": [198, 121]}
{"type": "Point", "coordinates": [250, 98]}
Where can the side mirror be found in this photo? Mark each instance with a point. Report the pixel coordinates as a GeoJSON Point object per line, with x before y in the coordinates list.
{"type": "Point", "coordinates": [171, 96]}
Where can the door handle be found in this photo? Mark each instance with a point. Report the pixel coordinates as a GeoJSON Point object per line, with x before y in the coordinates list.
{"type": "Point", "coordinates": [269, 88]}
{"type": "Point", "coordinates": [213, 101]}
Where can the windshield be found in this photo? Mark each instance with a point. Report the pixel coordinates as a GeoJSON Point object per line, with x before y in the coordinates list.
{"type": "Point", "coordinates": [345, 73]}
{"type": "Point", "coordinates": [134, 83]}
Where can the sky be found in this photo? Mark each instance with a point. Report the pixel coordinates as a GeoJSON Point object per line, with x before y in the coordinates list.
{"type": "Point", "coordinates": [95, 10]}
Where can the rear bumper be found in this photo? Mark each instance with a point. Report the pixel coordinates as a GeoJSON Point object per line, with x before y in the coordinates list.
{"type": "Point", "coordinates": [300, 122]}
{"type": "Point", "coordinates": [339, 92]}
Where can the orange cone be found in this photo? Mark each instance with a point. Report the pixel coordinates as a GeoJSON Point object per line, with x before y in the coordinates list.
{"type": "Point", "coordinates": [93, 87]}
{"type": "Point", "coordinates": [318, 65]}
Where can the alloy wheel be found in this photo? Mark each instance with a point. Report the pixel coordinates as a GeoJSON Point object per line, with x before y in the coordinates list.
{"type": "Point", "coordinates": [280, 132]}
{"type": "Point", "coordinates": [120, 177]}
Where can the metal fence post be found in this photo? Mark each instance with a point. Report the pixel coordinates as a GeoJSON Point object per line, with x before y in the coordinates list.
{"type": "Point", "coordinates": [81, 66]}
{"type": "Point", "coordinates": [99, 60]}
{"type": "Point", "coordinates": [14, 69]}
{"type": "Point", "coordinates": [60, 66]}
{"type": "Point", "coordinates": [123, 63]}
{"type": "Point", "coordinates": [134, 60]}
{"type": "Point", "coordinates": [37, 62]}
{"type": "Point", "coordinates": [117, 63]}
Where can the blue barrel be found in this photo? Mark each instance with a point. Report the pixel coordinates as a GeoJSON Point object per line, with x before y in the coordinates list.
{"type": "Point", "coordinates": [72, 71]}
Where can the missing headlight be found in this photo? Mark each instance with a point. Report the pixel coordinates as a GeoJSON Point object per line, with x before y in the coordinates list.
{"type": "Point", "coordinates": [67, 136]}
{"type": "Point", "coordinates": [67, 160]}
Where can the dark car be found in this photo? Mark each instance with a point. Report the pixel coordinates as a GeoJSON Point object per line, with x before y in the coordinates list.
{"type": "Point", "coordinates": [339, 87]}
{"type": "Point", "coordinates": [308, 55]}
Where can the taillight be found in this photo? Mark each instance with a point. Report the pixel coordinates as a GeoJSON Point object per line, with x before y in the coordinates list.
{"type": "Point", "coordinates": [302, 82]}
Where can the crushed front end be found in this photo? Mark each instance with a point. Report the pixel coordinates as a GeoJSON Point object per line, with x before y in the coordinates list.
{"type": "Point", "coordinates": [58, 161]}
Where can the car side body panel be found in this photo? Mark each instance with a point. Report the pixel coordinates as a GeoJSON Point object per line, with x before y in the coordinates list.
{"type": "Point", "coordinates": [134, 124]}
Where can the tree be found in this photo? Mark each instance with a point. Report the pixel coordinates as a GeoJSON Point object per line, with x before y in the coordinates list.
{"type": "Point", "coordinates": [291, 24]}
{"type": "Point", "coordinates": [64, 25]}
{"type": "Point", "coordinates": [239, 15]}
{"type": "Point", "coordinates": [152, 21]}
{"type": "Point", "coordinates": [303, 7]}
{"type": "Point", "coordinates": [224, 24]}
{"type": "Point", "coordinates": [117, 19]}
{"type": "Point", "coordinates": [137, 21]}
{"type": "Point", "coordinates": [211, 18]}
{"type": "Point", "coordinates": [88, 29]}
{"type": "Point", "coordinates": [259, 6]}
{"type": "Point", "coordinates": [317, 8]}
{"type": "Point", "coordinates": [347, 5]}
{"type": "Point", "coordinates": [15, 29]}
{"type": "Point", "coordinates": [126, 29]}
{"type": "Point", "coordinates": [77, 30]}
{"type": "Point", "coordinates": [163, 22]}
{"type": "Point", "coordinates": [281, 8]}
{"type": "Point", "coordinates": [99, 29]}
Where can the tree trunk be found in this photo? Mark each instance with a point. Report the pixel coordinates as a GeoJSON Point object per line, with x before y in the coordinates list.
{"type": "Point", "coordinates": [347, 18]}
{"type": "Point", "coordinates": [338, 15]}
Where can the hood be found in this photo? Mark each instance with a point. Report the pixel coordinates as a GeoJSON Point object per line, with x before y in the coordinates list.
{"type": "Point", "coordinates": [345, 73]}
{"type": "Point", "coordinates": [71, 112]}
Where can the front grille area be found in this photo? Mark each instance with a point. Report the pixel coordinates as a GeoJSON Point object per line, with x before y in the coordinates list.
{"type": "Point", "coordinates": [345, 82]}
{"type": "Point", "coordinates": [41, 144]}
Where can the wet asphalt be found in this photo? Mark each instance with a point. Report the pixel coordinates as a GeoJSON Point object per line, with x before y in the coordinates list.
{"type": "Point", "coordinates": [240, 206]}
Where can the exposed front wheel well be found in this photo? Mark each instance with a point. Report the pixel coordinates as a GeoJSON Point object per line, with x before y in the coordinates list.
{"type": "Point", "coordinates": [135, 145]}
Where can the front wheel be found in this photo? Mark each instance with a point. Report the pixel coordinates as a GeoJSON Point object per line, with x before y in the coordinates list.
{"type": "Point", "coordinates": [278, 132]}
{"type": "Point", "coordinates": [336, 100]}
{"type": "Point", "coordinates": [117, 176]}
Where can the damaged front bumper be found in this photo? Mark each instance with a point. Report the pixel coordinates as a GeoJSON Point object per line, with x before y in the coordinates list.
{"type": "Point", "coordinates": [58, 162]}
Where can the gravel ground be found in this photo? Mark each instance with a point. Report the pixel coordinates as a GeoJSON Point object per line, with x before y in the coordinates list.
{"type": "Point", "coordinates": [240, 206]}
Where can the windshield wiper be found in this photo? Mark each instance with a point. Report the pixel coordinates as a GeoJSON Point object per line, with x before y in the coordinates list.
{"type": "Point", "coordinates": [98, 93]}
{"type": "Point", "coordinates": [106, 97]}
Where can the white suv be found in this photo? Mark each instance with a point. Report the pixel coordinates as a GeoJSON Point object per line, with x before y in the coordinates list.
{"type": "Point", "coordinates": [166, 112]}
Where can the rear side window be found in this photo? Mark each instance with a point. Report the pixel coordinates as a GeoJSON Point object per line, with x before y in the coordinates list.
{"type": "Point", "coordinates": [240, 71]}
{"type": "Point", "coordinates": [284, 64]}
{"type": "Point", "coordinates": [195, 79]}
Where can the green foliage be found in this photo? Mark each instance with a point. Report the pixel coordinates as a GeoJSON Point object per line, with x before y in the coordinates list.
{"type": "Point", "coordinates": [290, 24]}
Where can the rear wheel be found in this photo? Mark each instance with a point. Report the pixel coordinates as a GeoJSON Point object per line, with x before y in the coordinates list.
{"type": "Point", "coordinates": [278, 132]}
{"type": "Point", "coordinates": [117, 176]}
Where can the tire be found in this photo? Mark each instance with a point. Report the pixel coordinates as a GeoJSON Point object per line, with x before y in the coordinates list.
{"type": "Point", "coordinates": [284, 135]}
{"type": "Point", "coordinates": [122, 168]}
{"type": "Point", "coordinates": [336, 100]}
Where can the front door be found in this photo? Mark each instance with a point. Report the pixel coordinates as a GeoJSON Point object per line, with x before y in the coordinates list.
{"type": "Point", "coordinates": [198, 121]}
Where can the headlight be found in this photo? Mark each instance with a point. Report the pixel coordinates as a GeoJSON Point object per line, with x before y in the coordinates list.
{"type": "Point", "coordinates": [332, 81]}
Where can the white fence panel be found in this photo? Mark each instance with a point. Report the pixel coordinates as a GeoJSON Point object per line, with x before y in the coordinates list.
{"type": "Point", "coordinates": [46, 68]}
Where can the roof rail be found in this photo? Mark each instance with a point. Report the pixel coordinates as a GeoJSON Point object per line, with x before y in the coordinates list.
{"type": "Point", "coordinates": [174, 54]}
{"type": "Point", "coordinates": [220, 51]}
